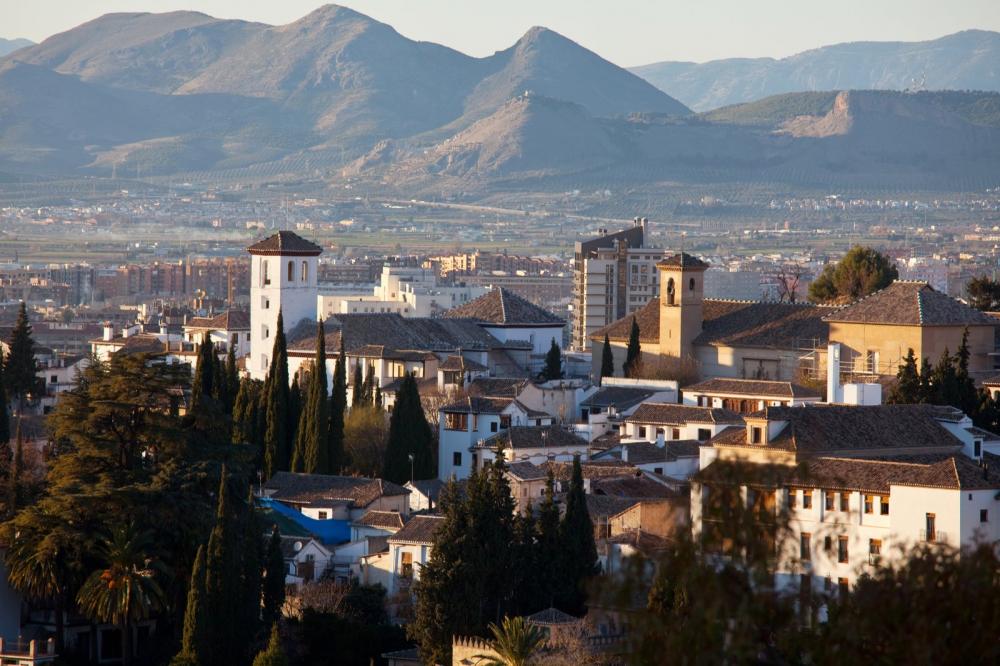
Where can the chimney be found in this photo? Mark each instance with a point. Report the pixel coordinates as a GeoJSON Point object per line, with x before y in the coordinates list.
{"type": "Point", "coordinates": [624, 452]}
{"type": "Point", "coordinates": [834, 392]}
{"type": "Point", "coordinates": [109, 331]}
{"type": "Point", "coordinates": [163, 328]}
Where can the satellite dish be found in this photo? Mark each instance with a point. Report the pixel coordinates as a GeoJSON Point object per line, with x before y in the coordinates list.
{"type": "Point", "coordinates": [298, 546]}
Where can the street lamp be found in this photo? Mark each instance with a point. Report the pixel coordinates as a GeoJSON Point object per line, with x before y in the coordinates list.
{"type": "Point", "coordinates": [410, 456]}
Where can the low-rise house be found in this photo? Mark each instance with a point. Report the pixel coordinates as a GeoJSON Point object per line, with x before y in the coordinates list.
{"type": "Point", "coordinates": [306, 558]}
{"type": "Point", "coordinates": [535, 444]}
{"type": "Point", "coordinates": [527, 484]}
{"type": "Point", "coordinates": [604, 410]}
{"type": "Point", "coordinates": [676, 459]}
{"type": "Point", "coordinates": [409, 549]}
{"type": "Point", "coordinates": [330, 497]}
{"type": "Point", "coordinates": [231, 327]}
{"type": "Point", "coordinates": [745, 396]}
{"type": "Point", "coordinates": [657, 422]}
{"type": "Point", "coordinates": [424, 494]}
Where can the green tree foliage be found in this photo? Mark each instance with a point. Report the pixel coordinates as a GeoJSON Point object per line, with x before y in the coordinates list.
{"type": "Point", "coordinates": [316, 411]}
{"type": "Point", "coordinates": [409, 434]}
{"type": "Point", "coordinates": [553, 362]}
{"type": "Point", "coordinates": [368, 388]}
{"type": "Point", "coordinates": [245, 413]}
{"type": "Point", "coordinates": [549, 555]}
{"type": "Point", "coordinates": [203, 388]}
{"type": "Point", "coordinates": [274, 579]}
{"type": "Point", "coordinates": [515, 643]}
{"type": "Point", "coordinates": [222, 579]}
{"type": "Point", "coordinates": [862, 271]}
{"type": "Point", "coordinates": [907, 388]}
{"type": "Point", "coordinates": [4, 407]}
{"type": "Point", "coordinates": [365, 431]}
{"type": "Point", "coordinates": [579, 549]}
{"type": "Point", "coordinates": [298, 462]}
{"type": "Point", "coordinates": [983, 293]}
{"type": "Point", "coordinates": [338, 405]}
{"type": "Point", "coordinates": [357, 387]}
{"type": "Point", "coordinates": [20, 367]}
{"type": "Point", "coordinates": [124, 589]}
{"type": "Point", "coordinates": [633, 353]}
{"type": "Point", "coordinates": [607, 359]}
{"type": "Point", "coordinates": [195, 641]}
{"type": "Point", "coordinates": [295, 399]}
{"type": "Point", "coordinates": [273, 654]}
{"type": "Point", "coordinates": [277, 452]}
{"type": "Point", "coordinates": [231, 378]}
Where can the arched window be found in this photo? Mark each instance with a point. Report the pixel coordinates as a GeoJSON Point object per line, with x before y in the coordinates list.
{"type": "Point", "coordinates": [264, 278]}
{"type": "Point", "coordinates": [670, 291]}
{"type": "Point", "coordinates": [291, 271]}
{"type": "Point", "coordinates": [305, 271]}
{"type": "Point", "coordinates": [691, 284]}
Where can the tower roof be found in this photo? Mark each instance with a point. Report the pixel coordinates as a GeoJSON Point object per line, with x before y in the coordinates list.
{"type": "Point", "coordinates": [504, 308]}
{"type": "Point", "coordinates": [682, 260]}
{"type": "Point", "coordinates": [285, 243]}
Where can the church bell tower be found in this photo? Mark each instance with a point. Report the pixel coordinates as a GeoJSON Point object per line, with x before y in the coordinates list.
{"type": "Point", "coordinates": [682, 293]}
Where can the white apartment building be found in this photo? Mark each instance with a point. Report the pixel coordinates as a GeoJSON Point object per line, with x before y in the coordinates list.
{"type": "Point", "coordinates": [404, 290]}
{"type": "Point", "coordinates": [860, 484]}
{"type": "Point", "coordinates": [614, 275]}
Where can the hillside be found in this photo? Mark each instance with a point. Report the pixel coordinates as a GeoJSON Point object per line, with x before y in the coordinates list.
{"type": "Point", "coordinates": [963, 61]}
{"type": "Point", "coordinates": [11, 45]}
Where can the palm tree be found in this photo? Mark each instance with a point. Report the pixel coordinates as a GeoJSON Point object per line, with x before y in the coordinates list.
{"type": "Point", "coordinates": [514, 643]}
{"type": "Point", "coordinates": [125, 590]}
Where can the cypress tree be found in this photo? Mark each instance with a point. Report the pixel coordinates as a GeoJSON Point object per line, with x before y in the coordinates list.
{"type": "Point", "coordinates": [368, 388]}
{"type": "Point", "coordinates": [202, 387]}
{"type": "Point", "coordinates": [607, 359]}
{"type": "Point", "coordinates": [251, 584]}
{"type": "Point", "coordinates": [549, 556]}
{"type": "Point", "coordinates": [357, 387]}
{"type": "Point", "coordinates": [409, 434]}
{"type": "Point", "coordinates": [907, 387]}
{"type": "Point", "coordinates": [274, 579]}
{"type": "Point", "coordinates": [338, 405]}
{"type": "Point", "coordinates": [926, 381]}
{"type": "Point", "coordinates": [553, 362]}
{"type": "Point", "coordinates": [14, 473]}
{"type": "Point", "coordinates": [967, 395]}
{"type": "Point", "coordinates": [195, 642]}
{"type": "Point", "coordinates": [634, 351]}
{"type": "Point", "coordinates": [315, 451]}
{"type": "Point", "coordinates": [579, 549]}
{"type": "Point", "coordinates": [377, 399]}
{"type": "Point", "coordinates": [20, 367]}
{"type": "Point", "coordinates": [273, 654]}
{"type": "Point", "coordinates": [232, 377]}
{"type": "Point", "coordinates": [295, 416]}
{"type": "Point", "coordinates": [944, 381]}
{"type": "Point", "coordinates": [276, 438]}
{"type": "Point", "coordinates": [244, 411]}
{"type": "Point", "coordinates": [222, 580]}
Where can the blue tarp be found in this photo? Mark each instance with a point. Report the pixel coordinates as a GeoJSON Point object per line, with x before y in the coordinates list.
{"type": "Point", "coordinates": [327, 531]}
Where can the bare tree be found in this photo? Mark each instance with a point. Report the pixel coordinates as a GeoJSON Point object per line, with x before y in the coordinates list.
{"type": "Point", "coordinates": [787, 277]}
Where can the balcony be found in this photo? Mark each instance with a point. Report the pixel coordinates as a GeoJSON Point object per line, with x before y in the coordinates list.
{"type": "Point", "coordinates": [874, 559]}
{"type": "Point", "coordinates": [934, 536]}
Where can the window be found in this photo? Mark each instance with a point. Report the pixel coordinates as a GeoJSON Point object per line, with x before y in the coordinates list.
{"type": "Point", "coordinates": [675, 433]}
{"type": "Point", "coordinates": [291, 271]}
{"type": "Point", "coordinates": [883, 503]}
{"type": "Point", "coordinates": [322, 515]}
{"type": "Point", "coordinates": [642, 432]}
{"type": "Point", "coordinates": [494, 426]}
{"type": "Point", "coordinates": [871, 361]}
{"type": "Point", "coordinates": [456, 421]}
{"type": "Point", "coordinates": [456, 458]}
{"type": "Point", "coordinates": [691, 284]}
{"type": "Point", "coordinates": [830, 497]}
{"type": "Point", "coordinates": [406, 568]}
{"type": "Point", "coordinates": [845, 499]}
{"type": "Point", "coordinates": [930, 532]}
{"type": "Point", "coordinates": [703, 434]}
{"type": "Point", "coordinates": [842, 549]}
{"type": "Point", "coordinates": [265, 279]}
{"type": "Point", "coordinates": [756, 435]}
{"type": "Point", "coordinates": [807, 499]}
{"type": "Point", "coordinates": [54, 379]}
{"type": "Point", "coordinates": [827, 544]}
{"type": "Point", "coordinates": [791, 498]}
{"type": "Point", "coordinates": [264, 332]}
{"type": "Point", "coordinates": [657, 470]}
{"type": "Point", "coordinates": [869, 504]}
{"type": "Point", "coordinates": [844, 588]}
{"type": "Point", "coordinates": [263, 361]}
{"type": "Point", "coordinates": [304, 274]}
{"type": "Point", "coordinates": [977, 449]}
{"type": "Point", "coordinates": [505, 421]}
{"type": "Point", "coordinates": [670, 291]}
{"type": "Point", "coordinates": [805, 546]}
{"type": "Point", "coordinates": [874, 551]}
{"type": "Point", "coordinates": [805, 587]}
{"type": "Point", "coordinates": [984, 515]}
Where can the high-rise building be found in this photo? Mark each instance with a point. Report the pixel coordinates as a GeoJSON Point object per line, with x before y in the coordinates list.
{"type": "Point", "coordinates": [613, 275]}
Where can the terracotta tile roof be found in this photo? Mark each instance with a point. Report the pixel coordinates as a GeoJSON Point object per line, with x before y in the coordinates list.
{"type": "Point", "coordinates": [457, 363]}
{"type": "Point", "coordinates": [429, 488]}
{"type": "Point", "coordinates": [328, 489]}
{"type": "Point", "coordinates": [384, 334]}
{"type": "Point", "coordinates": [141, 343]}
{"type": "Point", "coordinates": [752, 387]}
{"type": "Point", "coordinates": [630, 486]}
{"type": "Point", "coordinates": [878, 475]}
{"type": "Point", "coordinates": [505, 308]}
{"type": "Point", "coordinates": [551, 616]}
{"type": "Point", "coordinates": [592, 469]}
{"type": "Point", "coordinates": [285, 243]}
{"type": "Point", "coordinates": [683, 260]}
{"type": "Point", "coordinates": [551, 438]}
{"type": "Point", "coordinates": [390, 520]}
{"type": "Point", "coordinates": [418, 530]}
{"type": "Point", "coordinates": [620, 397]}
{"type": "Point", "coordinates": [817, 429]}
{"type": "Point", "coordinates": [291, 545]}
{"type": "Point", "coordinates": [526, 471]}
{"type": "Point", "coordinates": [478, 405]}
{"type": "Point", "coordinates": [910, 304]}
{"type": "Point", "coordinates": [673, 414]}
{"type": "Point", "coordinates": [735, 323]}
{"type": "Point", "coordinates": [230, 320]}
{"type": "Point", "coordinates": [605, 506]}
{"type": "Point", "coordinates": [645, 542]}
{"type": "Point", "coordinates": [646, 453]}
{"type": "Point", "coordinates": [496, 387]}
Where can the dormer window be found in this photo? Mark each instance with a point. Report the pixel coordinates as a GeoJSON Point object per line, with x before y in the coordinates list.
{"type": "Point", "coordinates": [756, 435]}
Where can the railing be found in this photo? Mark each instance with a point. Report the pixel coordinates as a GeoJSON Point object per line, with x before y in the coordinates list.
{"type": "Point", "coordinates": [934, 536]}
{"type": "Point", "coordinates": [874, 559]}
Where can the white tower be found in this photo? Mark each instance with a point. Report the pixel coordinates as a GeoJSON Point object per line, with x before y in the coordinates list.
{"type": "Point", "coordinates": [282, 277]}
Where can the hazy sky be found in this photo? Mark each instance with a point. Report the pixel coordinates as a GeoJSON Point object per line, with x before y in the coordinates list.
{"type": "Point", "coordinates": [628, 32]}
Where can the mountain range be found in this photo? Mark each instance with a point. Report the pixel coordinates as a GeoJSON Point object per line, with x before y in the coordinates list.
{"type": "Point", "coordinates": [968, 60]}
{"type": "Point", "coordinates": [337, 96]}
{"type": "Point", "coordinates": [11, 45]}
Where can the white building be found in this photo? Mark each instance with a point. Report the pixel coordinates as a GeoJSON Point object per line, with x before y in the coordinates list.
{"type": "Point", "coordinates": [860, 485]}
{"type": "Point", "coordinates": [407, 291]}
{"type": "Point", "coordinates": [746, 396]}
{"type": "Point", "coordinates": [282, 279]}
{"type": "Point", "coordinates": [409, 550]}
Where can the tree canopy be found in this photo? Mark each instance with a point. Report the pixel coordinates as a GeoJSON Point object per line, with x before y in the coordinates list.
{"type": "Point", "coordinates": [862, 271]}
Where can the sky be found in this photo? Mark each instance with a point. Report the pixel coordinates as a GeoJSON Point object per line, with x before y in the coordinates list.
{"type": "Point", "coordinates": [627, 32]}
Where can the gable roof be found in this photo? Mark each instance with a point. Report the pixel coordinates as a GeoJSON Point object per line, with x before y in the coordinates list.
{"type": "Point", "coordinates": [285, 243]}
{"type": "Point", "coordinates": [752, 387]}
{"type": "Point", "coordinates": [418, 530]}
{"type": "Point", "coordinates": [734, 323]}
{"type": "Point", "coordinates": [478, 405]}
{"type": "Point", "coordinates": [526, 471]}
{"type": "Point", "coordinates": [328, 489]}
{"type": "Point", "coordinates": [496, 387]}
{"type": "Point", "coordinates": [534, 437]}
{"type": "Point", "coordinates": [620, 397]}
{"type": "Point", "coordinates": [457, 362]}
{"type": "Point", "coordinates": [230, 320]}
{"type": "Point", "coordinates": [388, 335]}
{"type": "Point", "coordinates": [631, 486]}
{"type": "Point", "coordinates": [388, 520]}
{"type": "Point", "coordinates": [505, 308]}
{"type": "Point", "coordinates": [673, 414]}
{"type": "Point", "coordinates": [682, 260]}
{"type": "Point", "coordinates": [645, 453]}
{"type": "Point", "coordinates": [818, 429]}
{"type": "Point", "coordinates": [911, 304]}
